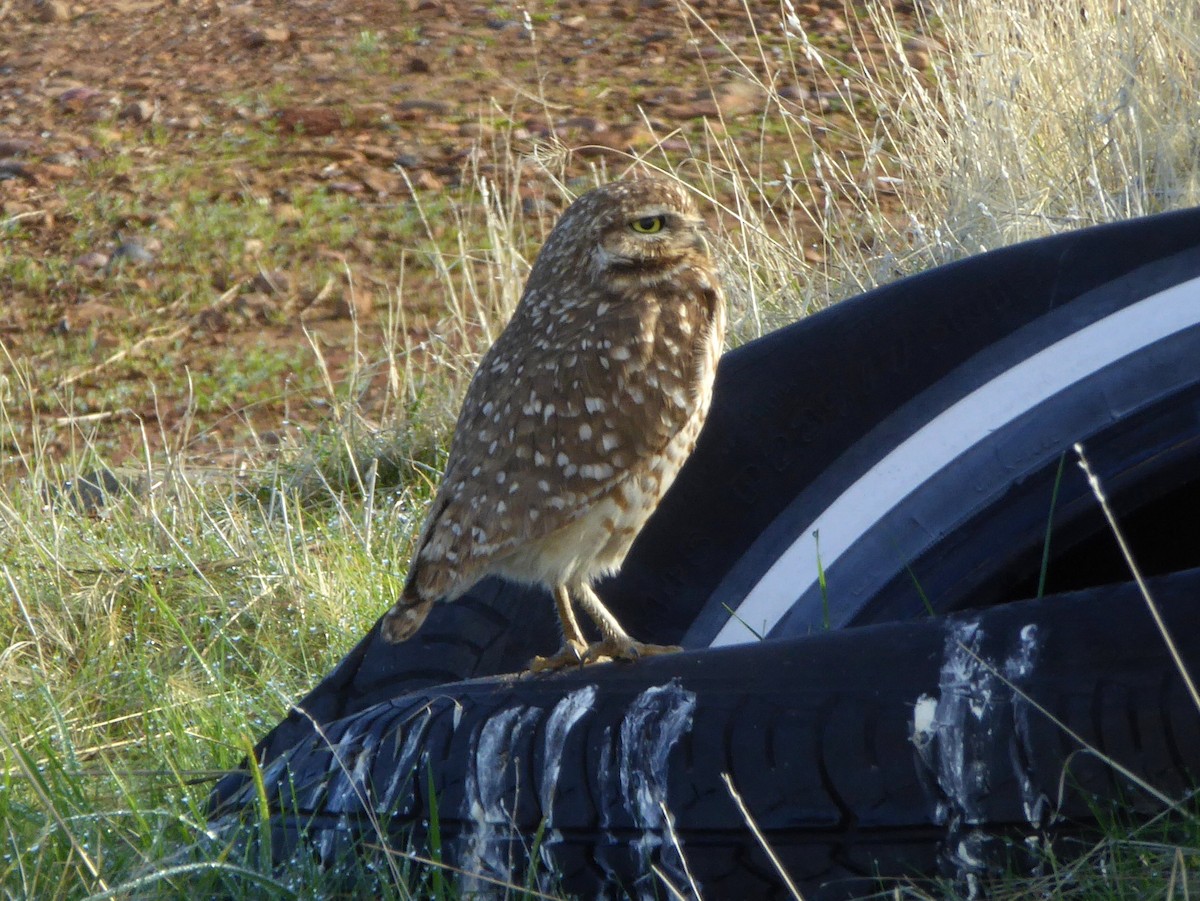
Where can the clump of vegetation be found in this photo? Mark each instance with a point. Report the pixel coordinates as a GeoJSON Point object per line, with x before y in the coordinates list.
{"type": "Point", "coordinates": [162, 615]}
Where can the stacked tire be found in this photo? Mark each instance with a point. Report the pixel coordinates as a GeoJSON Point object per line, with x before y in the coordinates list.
{"type": "Point", "coordinates": [903, 608]}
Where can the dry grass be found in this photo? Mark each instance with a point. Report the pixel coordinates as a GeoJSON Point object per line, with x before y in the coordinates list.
{"type": "Point", "coordinates": [156, 639]}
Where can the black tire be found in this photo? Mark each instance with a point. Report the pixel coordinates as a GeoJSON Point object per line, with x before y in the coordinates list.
{"type": "Point", "coordinates": [895, 750]}
{"type": "Point", "coordinates": [801, 414]}
{"type": "Point", "coordinates": [802, 419]}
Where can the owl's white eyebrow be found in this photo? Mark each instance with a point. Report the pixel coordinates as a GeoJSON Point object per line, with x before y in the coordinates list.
{"type": "Point", "coordinates": [652, 211]}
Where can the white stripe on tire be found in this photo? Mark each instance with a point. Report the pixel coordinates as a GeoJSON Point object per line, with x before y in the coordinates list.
{"type": "Point", "coordinates": [941, 440]}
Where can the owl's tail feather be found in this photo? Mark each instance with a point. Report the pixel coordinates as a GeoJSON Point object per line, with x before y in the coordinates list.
{"type": "Point", "coordinates": [406, 615]}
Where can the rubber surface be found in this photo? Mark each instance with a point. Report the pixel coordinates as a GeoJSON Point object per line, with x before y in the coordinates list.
{"type": "Point", "coordinates": [924, 432]}
{"type": "Point", "coordinates": [889, 750]}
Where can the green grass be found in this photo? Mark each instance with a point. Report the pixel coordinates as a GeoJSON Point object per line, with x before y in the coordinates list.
{"type": "Point", "coordinates": [150, 643]}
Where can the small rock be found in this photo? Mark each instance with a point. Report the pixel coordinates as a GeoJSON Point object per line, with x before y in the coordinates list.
{"type": "Point", "coordinates": [538, 205]}
{"type": "Point", "coordinates": [354, 303]}
{"type": "Point", "coordinates": [408, 160]}
{"type": "Point", "coordinates": [417, 66]}
{"type": "Point", "coordinates": [378, 154]}
{"type": "Point", "coordinates": [132, 251]}
{"type": "Point", "coordinates": [315, 121]}
{"type": "Point", "coordinates": [91, 260]}
{"type": "Point", "coordinates": [796, 93]}
{"type": "Point", "coordinates": [583, 123]}
{"type": "Point", "coordinates": [212, 320]}
{"type": "Point", "coordinates": [476, 130]}
{"type": "Point", "coordinates": [14, 169]}
{"type": "Point", "coordinates": [622, 138]}
{"type": "Point", "coordinates": [701, 109]}
{"type": "Point", "coordinates": [254, 306]}
{"type": "Point", "coordinates": [737, 98]}
{"type": "Point", "coordinates": [92, 491]}
{"type": "Point", "coordinates": [918, 59]}
{"type": "Point", "coordinates": [14, 146]}
{"type": "Point", "coordinates": [89, 313]}
{"type": "Point", "coordinates": [260, 37]}
{"type": "Point", "coordinates": [424, 180]}
{"type": "Point", "coordinates": [185, 123]}
{"type": "Point", "coordinates": [409, 110]}
{"type": "Point", "coordinates": [55, 172]}
{"type": "Point", "coordinates": [108, 136]}
{"type": "Point", "coordinates": [51, 11]}
{"type": "Point", "coordinates": [139, 111]}
{"type": "Point", "coordinates": [80, 97]}
{"type": "Point", "coordinates": [382, 183]}
{"type": "Point", "coordinates": [273, 282]}
{"type": "Point", "coordinates": [287, 214]}
{"type": "Point", "coordinates": [919, 50]}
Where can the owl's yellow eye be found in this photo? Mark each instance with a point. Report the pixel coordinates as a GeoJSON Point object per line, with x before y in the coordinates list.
{"type": "Point", "coordinates": [648, 225]}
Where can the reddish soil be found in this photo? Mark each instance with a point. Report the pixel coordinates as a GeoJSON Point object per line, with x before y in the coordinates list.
{"type": "Point", "coordinates": [371, 100]}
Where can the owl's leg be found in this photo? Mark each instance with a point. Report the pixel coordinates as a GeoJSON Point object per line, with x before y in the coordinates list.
{"type": "Point", "coordinates": [617, 643]}
{"type": "Point", "coordinates": [575, 646]}
{"type": "Point", "coordinates": [566, 618]}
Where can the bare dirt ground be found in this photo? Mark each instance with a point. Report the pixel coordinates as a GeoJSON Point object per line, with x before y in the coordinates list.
{"type": "Point", "coordinates": [187, 186]}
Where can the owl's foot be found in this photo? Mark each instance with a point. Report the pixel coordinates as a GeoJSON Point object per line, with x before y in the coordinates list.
{"type": "Point", "coordinates": [625, 649]}
{"type": "Point", "coordinates": [572, 653]}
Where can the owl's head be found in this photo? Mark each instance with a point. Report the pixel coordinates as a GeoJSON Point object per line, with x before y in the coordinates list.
{"type": "Point", "coordinates": [640, 231]}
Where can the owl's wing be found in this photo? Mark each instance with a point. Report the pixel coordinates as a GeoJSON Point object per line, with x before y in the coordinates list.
{"type": "Point", "coordinates": [548, 428]}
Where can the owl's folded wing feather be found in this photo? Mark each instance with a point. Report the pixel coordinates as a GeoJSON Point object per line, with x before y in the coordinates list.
{"type": "Point", "coordinates": [547, 429]}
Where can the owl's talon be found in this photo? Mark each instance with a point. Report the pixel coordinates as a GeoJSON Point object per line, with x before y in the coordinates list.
{"type": "Point", "coordinates": [615, 649]}
{"type": "Point", "coordinates": [572, 653]}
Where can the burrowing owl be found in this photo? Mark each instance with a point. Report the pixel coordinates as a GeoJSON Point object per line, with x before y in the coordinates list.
{"type": "Point", "coordinates": [580, 415]}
